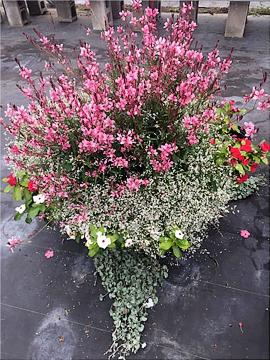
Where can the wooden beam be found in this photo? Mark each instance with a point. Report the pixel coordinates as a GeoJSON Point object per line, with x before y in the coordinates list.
{"type": "Point", "coordinates": [237, 18]}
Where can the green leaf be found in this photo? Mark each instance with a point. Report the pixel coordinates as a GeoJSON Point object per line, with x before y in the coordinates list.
{"type": "Point", "coordinates": [24, 182]}
{"type": "Point", "coordinates": [240, 169]}
{"type": "Point", "coordinates": [93, 230]}
{"type": "Point", "coordinates": [243, 111]}
{"type": "Point", "coordinates": [5, 180]}
{"type": "Point", "coordinates": [236, 128]}
{"type": "Point", "coordinates": [27, 196]}
{"type": "Point", "coordinates": [176, 252]}
{"type": "Point", "coordinates": [7, 189]}
{"type": "Point", "coordinates": [183, 244]}
{"type": "Point", "coordinates": [17, 193]}
{"type": "Point", "coordinates": [18, 216]}
{"type": "Point", "coordinates": [165, 243]}
{"type": "Point", "coordinates": [93, 250]}
{"type": "Point", "coordinates": [112, 245]}
{"type": "Point", "coordinates": [113, 237]}
{"type": "Point", "coordinates": [33, 212]}
{"type": "Point", "coordinates": [265, 161]}
{"type": "Point", "coordinates": [20, 173]}
{"type": "Point", "coordinates": [28, 220]}
{"type": "Point", "coordinates": [219, 161]}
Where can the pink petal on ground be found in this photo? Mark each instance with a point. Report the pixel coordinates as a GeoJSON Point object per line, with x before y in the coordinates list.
{"type": "Point", "coordinates": [49, 253]}
{"type": "Point", "coordinates": [245, 234]}
{"type": "Point", "coordinates": [12, 243]}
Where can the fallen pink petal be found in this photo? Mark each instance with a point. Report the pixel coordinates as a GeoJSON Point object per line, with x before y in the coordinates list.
{"type": "Point", "coordinates": [241, 327]}
{"type": "Point", "coordinates": [245, 234]}
{"type": "Point", "coordinates": [12, 243]}
{"type": "Point", "coordinates": [49, 253]}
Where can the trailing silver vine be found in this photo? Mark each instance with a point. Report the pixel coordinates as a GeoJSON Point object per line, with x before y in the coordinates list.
{"type": "Point", "coordinates": [131, 280]}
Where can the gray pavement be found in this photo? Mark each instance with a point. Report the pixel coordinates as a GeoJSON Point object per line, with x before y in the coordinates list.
{"type": "Point", "coordinates": [51, 308]}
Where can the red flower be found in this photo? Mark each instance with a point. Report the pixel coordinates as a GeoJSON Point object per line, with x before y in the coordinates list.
{"type": "Point", "coordinates": [235, 152]}
{"type": "Point", "coordinates": [243, 178]}
{"type": "Point", "coordinates": [265, 146]}
{"type": "Point", "coordinates": [253, 167]}
{"type": "Point", "coordinates": [32, 186]}
{"type": "Point", "coordinates": [212, 141]}
{"type": "Point", "coordinates": [245, 162]}
{"type": "Point", "coordinates": [233, 162]}
{"type": "Point", "coordinates": [11, 180]}
{"type": "Point", "coordinates": [246, 145]}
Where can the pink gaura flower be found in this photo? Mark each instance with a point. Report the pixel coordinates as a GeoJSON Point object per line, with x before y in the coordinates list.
{"type": "Point", "coordinates": [25, 73]}
{"type": "Point", "coordinates": [250, 129]}
{"type": "Point", "coordinates": [245, 234]}
{"type": "Point", "coordinates": [12, 243]}
{"type": "Point", "coordinates": [49, 253]}
{"type": "Point", "coordinates": [136, 4]}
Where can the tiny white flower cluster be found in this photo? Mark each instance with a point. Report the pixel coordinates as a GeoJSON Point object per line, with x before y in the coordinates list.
{"type": "Point", "coordinates": [185, 199]}
{"type": "Point", "coordinates": [149, 304]}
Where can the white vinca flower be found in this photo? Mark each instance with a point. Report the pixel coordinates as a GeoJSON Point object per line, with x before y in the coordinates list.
{"type": "Point", "coordinates": [102, 240]}
{"type": "Point", "coordinates": [128, 242]}
{"type": "Point", "coordinates": [39, 199]}
{"type": "Point", "coordinates": [21, 209]}
{"type": "Point", "coordinates": [179, 234]}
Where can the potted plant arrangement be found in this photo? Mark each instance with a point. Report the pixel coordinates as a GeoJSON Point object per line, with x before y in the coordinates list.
{"type": "Point", "coordinates": [135, 160]}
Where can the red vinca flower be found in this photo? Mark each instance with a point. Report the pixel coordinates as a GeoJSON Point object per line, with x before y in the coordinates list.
{"type": "Point", "coordinates": [253, 167]}
{"type": "Point", "coordinates": [11, 180]}
{"type": "Point", "coordinates": [32, 186]}
{"type": "Point", "coordinates": [265, 146]}
{"type": "Point", "coordinates": [246, 145]}
{"type": "Point", "coordinates": [243, 178]}
{"type": "Point", "coordinates": [235, 152]}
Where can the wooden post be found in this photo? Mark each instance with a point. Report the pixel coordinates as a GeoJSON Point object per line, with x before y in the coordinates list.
{"type": "Point", "coordinates": [66, 10]}
{"type": "Point", "coordinates": [117, 6]}
{"type": "Point", "coordinates": [101, 14]}
{"type": "Point", "coordinates": [16, 12]}
{"type": "Point", "coordinates": [36, 7]}
{"type": "Point", "coordinates": [237, 18]}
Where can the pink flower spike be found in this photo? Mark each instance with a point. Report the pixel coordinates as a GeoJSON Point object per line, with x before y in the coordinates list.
{"type": "Point", "coordinates": [12, 243]}
{"type": "Point", "coordinates": [49, 253]}
{"type": "Point", "coordinates": [245, 234]}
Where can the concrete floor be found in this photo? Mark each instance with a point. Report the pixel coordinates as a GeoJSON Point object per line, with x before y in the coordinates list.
{"type": "Point", "coordinates": [51, 308]}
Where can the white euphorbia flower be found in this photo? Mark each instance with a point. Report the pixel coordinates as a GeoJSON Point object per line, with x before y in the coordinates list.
{"type": "Point", "coordinates": [71, 234]}
{"type": "Point", "coordinates": [21, 209]}
{"type": "Point", "coordinates": [39, 199]}
{"type": "Point", "coordinates": [150, 303]}
{"type": "Point", "coordinates": [178, 234]}
{"type": "Point", "coordinates": [128, 242]}
{"type": "Point", "coordinates": [88, 238]}
{"type": "Point", "coordinates": [102, 240]}
{"type": "Point", "coordinates": [88, 242]}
